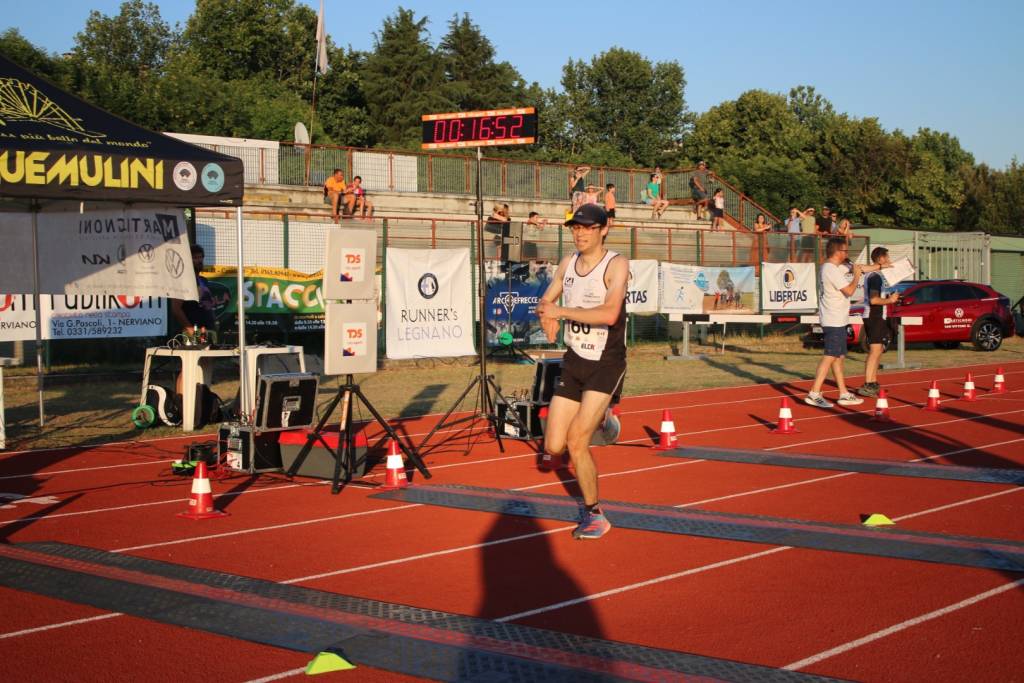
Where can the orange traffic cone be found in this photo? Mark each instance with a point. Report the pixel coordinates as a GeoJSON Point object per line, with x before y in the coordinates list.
{"type": "Point", "coordinates": [969, 392]}
{"type": "Point", "coordinates": [785, 425]}
{"type": "Point", "coordinates": [933, 396]}
{"type": "Point", "coordinates": [395, 478]}
{"type": "Point", "coordinates": [999, 383]}
{"type": "Point", "coordinates": [667, 439]}
{"type": "Point", "coordinates": [881, 413]}
{"type": "Point", "coordinates": [200, 503]}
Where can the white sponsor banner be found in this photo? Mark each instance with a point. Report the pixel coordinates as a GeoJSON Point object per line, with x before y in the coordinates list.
{"type": "Point", "coordinates": [788, 287]}
{"type": "Point", "coordinates": [137, 252]}
{"type": "Point", "coordinates": [82, 316]}
{"type": "Point", "coordinates": [429, 303]}
{"type": "Point", "coordinates": [642, 289]}
{"type": "Point", "coordinates": [681, 290]}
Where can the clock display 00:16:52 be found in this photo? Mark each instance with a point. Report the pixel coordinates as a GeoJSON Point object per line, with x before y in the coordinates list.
{"type": "Point", "coordinates": [502, 127]}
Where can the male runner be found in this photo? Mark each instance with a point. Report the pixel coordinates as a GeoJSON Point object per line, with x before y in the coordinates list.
{"type": "Point", "coordinates": [592, 284]}
{"type": "Point", "coordinates": [876, 327]}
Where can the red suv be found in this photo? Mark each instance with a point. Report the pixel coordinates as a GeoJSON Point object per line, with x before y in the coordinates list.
{"type": "Point", "coordinates": [951, 312]}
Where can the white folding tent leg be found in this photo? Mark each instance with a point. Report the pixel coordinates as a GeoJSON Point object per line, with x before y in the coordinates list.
{"type": "Point", "coordinates": [243, 392]}
{"type": "Point", "coordinates": [39, 314]}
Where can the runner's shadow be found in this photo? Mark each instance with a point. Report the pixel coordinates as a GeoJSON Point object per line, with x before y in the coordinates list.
{"type": "Point", "coordinates": [523, 582]}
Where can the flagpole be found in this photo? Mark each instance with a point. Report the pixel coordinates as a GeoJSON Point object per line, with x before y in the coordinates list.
{"type": "Point", "coordinates": [319, 64]}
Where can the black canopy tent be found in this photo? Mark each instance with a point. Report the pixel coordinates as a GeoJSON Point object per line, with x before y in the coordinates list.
{"type": "Point", "coordinates": [58, 151]}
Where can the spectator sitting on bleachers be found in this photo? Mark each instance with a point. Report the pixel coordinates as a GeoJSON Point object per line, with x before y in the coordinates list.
{"type": "Point", "coordinates": [535, 219]}
{"type": "Point", "coordinates": [335, 192]}
{"type": "Point", "coordinates": [359, 200]}
{"type": "Point", "coordinates": [653, 197]}
{"type": "Point", "coordinates": [592, 195]}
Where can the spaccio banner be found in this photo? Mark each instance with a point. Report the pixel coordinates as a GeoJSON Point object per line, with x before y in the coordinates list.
{"type": "Point", "coordinates": [429, 303]}
{"type": "Point", "coordinates": [276, 299]}
{"type": "Point", "coordinates": [788, 287]}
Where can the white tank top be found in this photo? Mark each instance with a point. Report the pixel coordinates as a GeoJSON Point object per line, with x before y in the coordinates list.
{"type": "Point", "coordinates": [586, 291]}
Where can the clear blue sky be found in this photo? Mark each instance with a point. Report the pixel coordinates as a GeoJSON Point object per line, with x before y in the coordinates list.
{"type": "Point", "coordinates": [950, 66]}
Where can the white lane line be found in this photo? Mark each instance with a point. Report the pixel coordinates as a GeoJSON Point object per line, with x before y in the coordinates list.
{"type": "Point", "coordinates": [133, 506]}
{"type": "Point", "coordinates": [62, 624]}
{"type": "Point", "coordinates": [957, 504]}
{"type": "Point", "coordinates": [669, 577]}
{"type": "Point", "coordinates": [86, 469]}
{"type": "Point", "coordinates": [767, 489]}
{"type": "Point", "coordinates": [966, 450]}
{"type": "Point", "coordinates": [896, 429]}
{"type": "Point", "coordinates": [642, 584]}
{"type": "Point", "coordinates": [278, 677]}
{"type": "Point", "coordinates": [285, 525]}
{"type": "Point", "coordinates": [902, 626]}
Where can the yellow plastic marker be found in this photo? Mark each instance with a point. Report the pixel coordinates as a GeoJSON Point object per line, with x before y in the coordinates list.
{"type": "Point", "coordinates": [878, 520]}
{"type": "Point", "coordinates": [325, 662]}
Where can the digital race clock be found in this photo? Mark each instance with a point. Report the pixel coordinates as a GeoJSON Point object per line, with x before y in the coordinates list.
{"type": "Point", "coordinates": [480, 128]}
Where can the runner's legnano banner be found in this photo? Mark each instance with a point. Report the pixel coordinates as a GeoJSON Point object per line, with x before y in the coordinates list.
{"type": "Point", "coordinates": [134, 252]}
{"type": "Point", "coordinates": [513, 290]}
{"type": "Point", "coordinates": [788, 287]}
{"type": "Point", "coordinates": [429, 303]}
{"type": "Point", "coordinates": [707, 289]}
{"type": "Point", "coordinates": [82, 316]}
{"type": "Point", "coordinates": [642, 289]}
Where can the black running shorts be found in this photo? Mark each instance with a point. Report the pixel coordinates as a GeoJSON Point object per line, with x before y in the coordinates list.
{"type": "Point", "coordinates": [579, 375]}
{"type": "Point", "coordinates": [877, 330]}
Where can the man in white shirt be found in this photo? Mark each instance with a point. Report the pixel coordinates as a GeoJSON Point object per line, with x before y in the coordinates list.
{"type": "Point", "coordinates": [839, 280]}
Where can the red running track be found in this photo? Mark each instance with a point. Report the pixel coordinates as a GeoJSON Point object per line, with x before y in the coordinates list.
{"type": "Point", "coordinates": [841, 615]}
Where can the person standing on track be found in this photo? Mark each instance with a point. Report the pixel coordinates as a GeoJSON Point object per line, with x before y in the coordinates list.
{"type": "Point", "coordinates": [876, 327]}
{"type": "Point", "coordinates": [839, 280]}
{"type": "Point", "coordinates": [592, 284]}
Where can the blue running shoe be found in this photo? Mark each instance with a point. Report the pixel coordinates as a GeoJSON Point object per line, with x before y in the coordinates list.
{"type": "Point", "coordinates": [594, 525]}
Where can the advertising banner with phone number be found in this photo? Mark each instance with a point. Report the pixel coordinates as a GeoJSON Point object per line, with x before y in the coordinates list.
{"type": "Point", "coordinates": [82, 316]}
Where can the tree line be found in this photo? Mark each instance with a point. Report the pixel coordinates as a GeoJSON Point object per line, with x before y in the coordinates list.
{"type": "Point", "coordinates": [245, 68]}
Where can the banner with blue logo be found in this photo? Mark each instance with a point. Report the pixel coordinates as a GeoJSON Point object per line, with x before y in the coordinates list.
{"type": "Point", "coordinates": [788, 287]}
{"type": "Point", "coordinates": [513, 290]}
{"type": "Point", "coordinates": [707, 289]}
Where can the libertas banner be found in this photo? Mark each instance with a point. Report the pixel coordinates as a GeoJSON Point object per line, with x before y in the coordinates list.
{"type": "Point", "coordinates": [788, 287]}
{"type": "Point", "coordinates": [429, 303]}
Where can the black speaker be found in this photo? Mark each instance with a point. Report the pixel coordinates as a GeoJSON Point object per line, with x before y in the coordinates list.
{"type": "Point", "coordinates": [286, 401]}
{"type": "Point", "coordinates": [546, 379]}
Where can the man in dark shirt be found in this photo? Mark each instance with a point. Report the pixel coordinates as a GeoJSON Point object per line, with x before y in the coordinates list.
{"type": "Point", "coordinates": [824, 221]}
{"type": "Point", "coordinates": [876, 327]}
{"type": "Point", "coordinates": [196, 318]}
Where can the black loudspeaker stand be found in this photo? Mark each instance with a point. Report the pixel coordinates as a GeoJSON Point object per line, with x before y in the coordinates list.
{"type": "Point", "coordinates": [488, 393]}
{"type": "Point", "coordinates": [346, 439]}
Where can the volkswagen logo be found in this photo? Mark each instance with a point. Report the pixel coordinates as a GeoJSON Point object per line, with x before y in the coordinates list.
{"type": "Point", "coordinates": [958, 312]}
{"type": "Point", "coordinates": [146, 253]}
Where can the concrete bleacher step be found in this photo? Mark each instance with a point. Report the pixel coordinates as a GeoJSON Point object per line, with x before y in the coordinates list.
{"type": "Point", "coordinates": [292, 199]}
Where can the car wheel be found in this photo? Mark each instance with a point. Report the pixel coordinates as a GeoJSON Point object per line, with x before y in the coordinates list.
{"type": "Point", "coordinates": [947, 345]}
{"type": "Point", "coordinates": [987, 335]}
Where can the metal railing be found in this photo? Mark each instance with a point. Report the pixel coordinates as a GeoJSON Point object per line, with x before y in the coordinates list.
{"type": "Point", "coordinates": [295, 240]}
{"type": "Point", "coordinates": [423, 172]}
